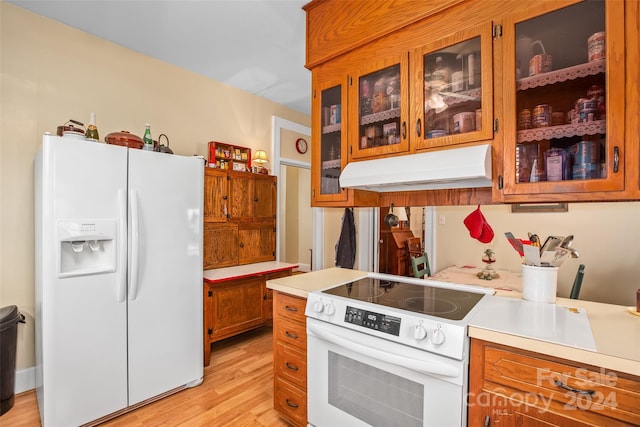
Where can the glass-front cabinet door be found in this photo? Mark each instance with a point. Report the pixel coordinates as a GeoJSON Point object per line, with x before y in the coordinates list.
{"type": "Point", "coordinates": [454, 87]}
{"type": "Point", "coordinates": [564, 99]}
{"type": "Point", "coordinates": [378, 109]}
{"type": "Point", "coordinates": [329, 101]}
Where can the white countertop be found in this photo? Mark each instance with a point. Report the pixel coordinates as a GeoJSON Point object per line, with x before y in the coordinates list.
{"type": "Point", "coordinates": [615, 331]}
{"type": "Point", "coordinates": [509, 320]}
{"type": "Point", "coordinates": [301, 284]}
{"type": "Point", "coordinates": [556, 323]}
{"type": "Point", "coordinates": [508, 280]}
{"type": "Point", "coordinates": [247, 270]}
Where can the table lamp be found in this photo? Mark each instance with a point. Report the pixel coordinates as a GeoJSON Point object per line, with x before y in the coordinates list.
{"type": "Point", "coordinates": [260, 158]}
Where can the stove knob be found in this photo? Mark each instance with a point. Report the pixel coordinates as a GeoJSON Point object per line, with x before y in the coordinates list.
{"type": "Point", "coordinates": [318, 307]}
{"type": "Point", "coordinates": [329, 309]}
{"type": "Point", "coordinates": [420, 332]}
{"type": "Point", "coordinates": [438, 337]}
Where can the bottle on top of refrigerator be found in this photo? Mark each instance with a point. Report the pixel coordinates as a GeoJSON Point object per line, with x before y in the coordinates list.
{"type": "Point", "coordinates": [147, 139]}
{"type": "Point", "coordinates": [92, 129]}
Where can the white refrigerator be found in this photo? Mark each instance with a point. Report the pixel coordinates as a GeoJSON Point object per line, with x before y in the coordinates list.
{"type": "Point", "coordinates": [118, 263]}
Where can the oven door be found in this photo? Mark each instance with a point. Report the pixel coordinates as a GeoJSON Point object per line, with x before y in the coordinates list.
{"type": "Point", "coordinates": [355, 379]}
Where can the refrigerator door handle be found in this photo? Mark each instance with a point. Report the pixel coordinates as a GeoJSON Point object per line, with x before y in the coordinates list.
{"type": "Point", "coordinates": [135, 245]}
{"type": "Point", "coordinates": [121, 276]}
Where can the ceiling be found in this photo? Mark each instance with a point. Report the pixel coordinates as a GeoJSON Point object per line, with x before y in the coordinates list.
{"type": "Point", "coordinates": [255, 45]}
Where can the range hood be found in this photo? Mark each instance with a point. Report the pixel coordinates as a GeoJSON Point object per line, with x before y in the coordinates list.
{"type": "Point", "coordinates": [467, 167]}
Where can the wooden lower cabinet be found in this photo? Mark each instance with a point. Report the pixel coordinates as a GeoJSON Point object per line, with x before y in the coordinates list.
{"type": "Point", "coordinates": [513, 387]}
{"type": "Point", "coordinates": [235, 306]}
{"type": "Point", "coordinates": [290, 358]}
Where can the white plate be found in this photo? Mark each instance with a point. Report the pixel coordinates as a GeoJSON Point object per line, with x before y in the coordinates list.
{"type": "Point", "coordinates": [73, 134]}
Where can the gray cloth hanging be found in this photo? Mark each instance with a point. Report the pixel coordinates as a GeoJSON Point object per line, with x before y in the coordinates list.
{"type": "Point", "coordinates": [346, 247]}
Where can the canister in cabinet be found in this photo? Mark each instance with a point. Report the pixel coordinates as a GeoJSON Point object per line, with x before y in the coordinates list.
{"type": "Point", "coordinates": [541, 116]}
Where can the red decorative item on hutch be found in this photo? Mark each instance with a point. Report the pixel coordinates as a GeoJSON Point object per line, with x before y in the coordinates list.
{"type": "Point", "coordinates": [228, 156]}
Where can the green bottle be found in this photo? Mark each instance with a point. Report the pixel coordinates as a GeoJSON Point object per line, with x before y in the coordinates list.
{"type": "Point", "coordinates": [92, 130]}
{"type": "Point", "coordinates": [148, 141]}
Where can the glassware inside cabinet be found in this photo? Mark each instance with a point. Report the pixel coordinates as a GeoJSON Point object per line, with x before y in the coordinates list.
{"type": "Point", "coordinates": [330, 142]}
{"type": "Point", "coordinates": [379, 108]}
{"type": "Point", "coordinates": [452, 89]}
{"type": "Point", "coordinates": [560, 111]}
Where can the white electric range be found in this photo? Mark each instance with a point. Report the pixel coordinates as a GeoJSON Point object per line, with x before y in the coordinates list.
{"type": "Point", "coordinates": [388, 350]}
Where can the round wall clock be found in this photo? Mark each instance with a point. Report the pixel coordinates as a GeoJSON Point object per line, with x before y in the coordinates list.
{"type": "Point", "coordinates": [301, 145]}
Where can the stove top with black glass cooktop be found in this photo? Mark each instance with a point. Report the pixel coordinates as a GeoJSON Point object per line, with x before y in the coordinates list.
{"type": "Point", "coordinates": [451, 304]}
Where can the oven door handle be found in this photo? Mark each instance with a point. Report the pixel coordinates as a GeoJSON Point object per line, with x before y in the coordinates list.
{"type": "Point", "coordinates": [352, 344]}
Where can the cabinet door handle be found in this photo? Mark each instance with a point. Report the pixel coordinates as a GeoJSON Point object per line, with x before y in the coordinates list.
{"type": "Point", "coordinates": [575, 390]}
{"type": "Point", "coordinates": [224, 197]}
{"type": "Point", "coordinates": [404, 130]}
{"type": "Point", "coordinates": [255, 199]}
{"type": "Point", "coordinates": [293, 405]}
{"type": "Point", "coordinates": [419, 128]}
{"type": "Point", "coordinates": [290, 335]}
{"type": "Point", "coordinates": [289, 308]}
{"type": "Point", "coordinates": [616, 159]}
{"type": "Point", "coordinates": [264, 297]}
{"type": "Point", "coordinates": [242, 245]}
{"type": "Point", "coordinates": [290, 366]}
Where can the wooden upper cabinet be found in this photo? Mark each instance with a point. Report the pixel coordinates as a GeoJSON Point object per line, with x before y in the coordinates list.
{"type": "Point", "coordinates": [563, 67]}
{"type": "Point", "coordinates": [264, 198]}
{"type": "Point", "coordinates": [240, 195]}
{"type": "Point", "coordinates": [452, 88]}
{"type": "Point", "coordinates": [216, 195]}
{"type": "Point", "coordinates": [240, 218]}
{"type": "Point", "coordinates": [552, 85]}
{"type": "Point", "coordinates": [336, 27]}
{"type": "Point", "coordinates": [253, 196]}
{"type": "Point", "coordinates": [330, 153]}
{"type": "Point", "coordinates": [378, 107]}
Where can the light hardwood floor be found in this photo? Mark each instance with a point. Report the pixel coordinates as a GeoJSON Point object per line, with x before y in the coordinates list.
{"type": "Point", "coordinates": [237, 390]}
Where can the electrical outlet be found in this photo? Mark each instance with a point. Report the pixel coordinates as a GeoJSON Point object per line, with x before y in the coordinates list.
{"type": "Point", "coordinates": [441, 220]}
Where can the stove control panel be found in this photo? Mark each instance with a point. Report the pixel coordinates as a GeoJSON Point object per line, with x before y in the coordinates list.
{"type": "Point", "coordinates": [371, 320]}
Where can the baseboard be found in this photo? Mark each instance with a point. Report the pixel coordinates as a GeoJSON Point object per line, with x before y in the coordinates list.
{"type": "Point", "coordinates": [25, 380]}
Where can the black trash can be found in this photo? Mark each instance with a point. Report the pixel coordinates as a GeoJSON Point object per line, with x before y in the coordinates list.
{"type": "Point", "coordinates": [9, 319]}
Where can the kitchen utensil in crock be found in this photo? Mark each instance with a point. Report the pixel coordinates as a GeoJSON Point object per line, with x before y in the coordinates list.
{"type": "Point", "coordinates": [124, 138]}
{"type": "Point", "coordinates": [566, 242]}
{"type": "Point", "coordinates": [164, 148]}
{"type": "Point", "coordinates": [551, 243]}
{"type": "Point", "coordinates": [516, 243]}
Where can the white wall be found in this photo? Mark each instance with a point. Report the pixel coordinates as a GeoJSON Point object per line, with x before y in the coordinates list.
{"type": "Point", "coordinates": [51, 73]}
{"type": "Point", "coordinates": [606, 235]}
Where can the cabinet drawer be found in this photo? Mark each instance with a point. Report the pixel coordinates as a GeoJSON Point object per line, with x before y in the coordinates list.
{"type": "Point", "coordinates": [290, 333]}
{"type": "Point", "coordinates": [290, 402]}
{"type": "Point", "coordinates": [290, 307]}
{"type": "Point", "coordinates": [290, 365]}
{"type": "Point", "coordinates": [574, 389]}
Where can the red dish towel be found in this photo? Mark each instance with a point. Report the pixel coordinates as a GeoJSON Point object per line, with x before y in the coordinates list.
{"type": "Point", "coordinates": [478, 226]}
